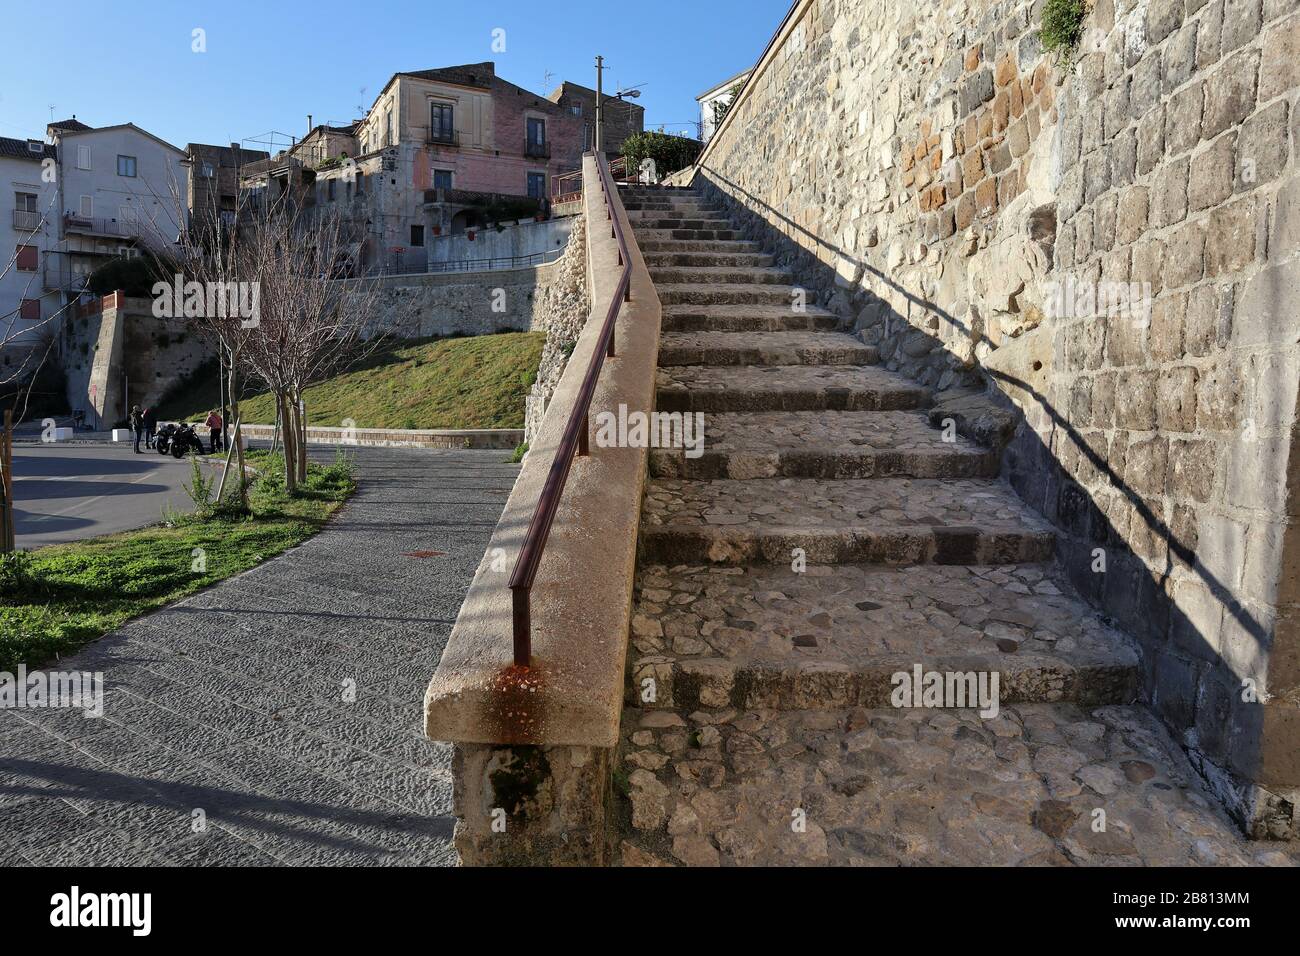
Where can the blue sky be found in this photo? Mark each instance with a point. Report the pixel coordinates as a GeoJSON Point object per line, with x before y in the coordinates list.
{"type": "Point", "coordinates": [270, 63]}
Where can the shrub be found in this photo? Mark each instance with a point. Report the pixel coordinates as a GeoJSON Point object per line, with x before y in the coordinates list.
{"type": "Point", "coordinates": [1062, 23]}
{"type": "Point", "coordinates": [133, 276]}
{"type": "Point", "coordinates": [16, 574]}
{"type": "Point", "coordinates": [670, 153]}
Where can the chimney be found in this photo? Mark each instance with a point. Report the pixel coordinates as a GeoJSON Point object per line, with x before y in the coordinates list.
{"type": "Point", "coordinates": [309, 126]}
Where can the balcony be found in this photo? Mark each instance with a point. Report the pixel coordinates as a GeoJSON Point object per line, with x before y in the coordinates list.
{"type": "Point", "coordinates": [537, 150]}
{"type": "Point", "coordinates": [442, 137]}
{"type": "Point", "coordinates": [25, 221]}
{"type": "Point", "coordinates": [89, 226]}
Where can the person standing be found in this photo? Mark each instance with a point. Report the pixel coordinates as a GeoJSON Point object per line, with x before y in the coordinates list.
{"type": "Point", "coordinates": [137, 426]}
{"type": "Point", "coordinates": [150, 426]}
{"type": "Point", "coordinates": [214, 430]}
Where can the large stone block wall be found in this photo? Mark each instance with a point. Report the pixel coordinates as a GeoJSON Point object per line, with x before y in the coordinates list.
{"type": "Point", "coordinates": [931, 175]}
{"type": "Point", "coordinates": [467, 303]}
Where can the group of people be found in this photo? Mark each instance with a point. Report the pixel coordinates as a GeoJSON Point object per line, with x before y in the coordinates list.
{"type": "Point", "coordinates": [144, 423]}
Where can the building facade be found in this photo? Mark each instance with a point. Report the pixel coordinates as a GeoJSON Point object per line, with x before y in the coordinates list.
{"type": "Point", "coordinates": [28, 230]}
{"type": "Point", "coordinates": [716, 100]}
{"type": "Point", "coordinates": [441, 151]}
{"type": "Point", "coordinates": [619, 120]}
{"type": "Point", "coordinates": [121, 190]}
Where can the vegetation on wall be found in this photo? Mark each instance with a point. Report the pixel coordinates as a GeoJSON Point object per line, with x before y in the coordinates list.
{"type": "Point", "coordinates": [134, 276]}
{"type": "Point", "coordinates": [670, 153]}
{"type": "Point", "coordinates": [1062, 24]}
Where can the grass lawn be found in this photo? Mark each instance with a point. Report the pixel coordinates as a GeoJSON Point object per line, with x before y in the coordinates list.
{"type": "Point", "coordinates": [477, 382]}
{"type": "Point", "coordinates": [54, 599]}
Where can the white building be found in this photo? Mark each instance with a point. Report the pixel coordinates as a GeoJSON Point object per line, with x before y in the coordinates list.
{"type": "Point", "coordinates": [716, 98]}
{"type": "Point", "coordinates": [120, 189]}
{"type": "Point", "coordinates": [28, 230]}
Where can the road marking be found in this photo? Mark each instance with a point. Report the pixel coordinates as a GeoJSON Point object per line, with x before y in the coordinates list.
{"type": "Point", "coordinates": [58, 514]}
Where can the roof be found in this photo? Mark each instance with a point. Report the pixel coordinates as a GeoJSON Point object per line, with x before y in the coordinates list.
{"type": "Point", "coordinates": [73, 124]}
{"type": "Point", "coordinates": [467, 74]}
{"type": "Point", "coordinates": [227, 155]}
{"type": "Point", "coordinates": [560, 90]}
{"type": "Point", "coordinates": [17, 149]}
{"type": "Point", "coordinates": [68, 133]}
{"type": "Point", "coordinates": [739, 77]}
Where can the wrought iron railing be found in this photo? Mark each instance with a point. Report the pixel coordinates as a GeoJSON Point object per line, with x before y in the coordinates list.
{"type": "Point", "coordinates": [573, 441]}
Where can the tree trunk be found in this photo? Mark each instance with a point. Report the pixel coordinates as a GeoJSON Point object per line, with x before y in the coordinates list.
{"type": "Point", "coordinates": [290, 430]}
{"type": "Point", "coordinates": [232, 394]}
{"type": "Point", "coordinates": [301, 408]}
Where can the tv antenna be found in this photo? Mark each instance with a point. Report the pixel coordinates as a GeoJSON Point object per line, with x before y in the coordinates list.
{"type": "Point", "coordinates": [546, 78]}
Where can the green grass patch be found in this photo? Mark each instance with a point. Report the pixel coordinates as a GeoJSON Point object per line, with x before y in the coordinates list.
{"type": "Point", "coordinates": [477, 382]}
{"type": "Point", "coordinates": [57, 598]}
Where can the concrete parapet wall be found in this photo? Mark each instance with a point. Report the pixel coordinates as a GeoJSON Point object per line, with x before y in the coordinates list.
{"type": "Point", "coordinates": [566, 705]}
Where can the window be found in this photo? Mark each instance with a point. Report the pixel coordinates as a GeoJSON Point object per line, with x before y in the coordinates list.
{"type": "Point", "coordinates": [361, 182]}
{"type": "Point", "coordinates": [442, 127]}
{"type": "Point", "coordinates": [87, 208]}
{"type": "Point", "coordinates": [30, 310]}
{"type": "Point", "coordinates": [83, 157]}
{"type": "Point", "coordinates": [586, 136]}
{"type": "Point", "coordinates": [126, 166]}
{"type": "Point", "coordinates": [27, 258]}
{"type": "Point", "coordinates": [576, 109]}
{"type": "Point", "coordinates": [206, 171]}
{"type": "Point", "coordinates": [442, 179]}
{"type": "Point", "coordinates": [537, 185]}
{"type": "Point", "coordinates": [536, 132]}
{"type": "Point", "coordinates": [25, 202]}
{"type": "Point", "coordinates": [329, 189]}
{"type": "Point", "coordinates": [388, 128]}
{"type": "Point", "coordinates": [417, 235]}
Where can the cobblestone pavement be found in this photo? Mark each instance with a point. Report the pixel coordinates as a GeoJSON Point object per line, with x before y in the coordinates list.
{"type": "Point", "coordinates": [827, 542]}
{"type": "Point", "coordinates": [229, 707]}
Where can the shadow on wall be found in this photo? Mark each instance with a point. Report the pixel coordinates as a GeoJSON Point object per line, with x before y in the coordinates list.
{"type": "Point", "coordinates": [1186, 679]}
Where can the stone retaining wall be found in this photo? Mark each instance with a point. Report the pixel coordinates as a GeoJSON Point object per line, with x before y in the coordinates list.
{"type": "Point", "coordinates": [932, 176]}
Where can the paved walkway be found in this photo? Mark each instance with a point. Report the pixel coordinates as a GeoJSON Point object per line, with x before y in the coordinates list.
{"type": "Point", "coordinates": [228, 708]}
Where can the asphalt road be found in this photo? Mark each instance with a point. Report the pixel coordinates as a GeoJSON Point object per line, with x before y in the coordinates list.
{"type": "Point", "coordinates": [70, 492]}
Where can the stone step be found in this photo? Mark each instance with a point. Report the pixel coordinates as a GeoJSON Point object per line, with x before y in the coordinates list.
{"type": "Point", "coordinates": [668, 244]}
{"type": "Point", "coordinates": [822, 444]}
{"type": "Point", "coordinates": [765, 348]}
{"type": "Point", "coordinates": [746, 318]}
{"type": "Point", "coordinates": [707, 236]}
{"type": "Point", "coordinates": [720, 388]}
{"type": "Point", "coordinates": [675, 223]}
{"type": "Point", "coordinates": [718, 275]}
{"type": "Point", "coordinates": [833, 636]}
{"type": "Point", "coordinates": [750, 260]}
{"type": "Point", "coordinates": [919, 787]}
{"type": "Point", "coordinates": [837, 521]}
{"type": "Point", "coordinates": [638, 210]}
{"type": "Point", "coordinates": [691, 293]}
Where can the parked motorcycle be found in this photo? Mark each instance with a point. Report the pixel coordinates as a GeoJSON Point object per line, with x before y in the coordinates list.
{"type": "Point", "coordinates": [184, 439]}
{"type": "Point", "coordinates": [162, 439]}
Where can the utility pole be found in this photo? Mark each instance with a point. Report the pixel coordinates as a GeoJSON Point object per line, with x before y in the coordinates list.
{"type": "Point", "coordinates": [600, 69]}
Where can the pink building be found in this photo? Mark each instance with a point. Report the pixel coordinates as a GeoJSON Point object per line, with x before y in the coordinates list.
{"type": "Point", "coordinates": [439, 152]}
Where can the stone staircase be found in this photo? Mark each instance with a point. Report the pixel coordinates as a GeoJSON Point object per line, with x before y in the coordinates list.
{"type": "Point", "coordinates": [827, 539]}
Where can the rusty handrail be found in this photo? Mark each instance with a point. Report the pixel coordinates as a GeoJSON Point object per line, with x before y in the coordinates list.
{"type": "Point", "coordinates": [573, 442]}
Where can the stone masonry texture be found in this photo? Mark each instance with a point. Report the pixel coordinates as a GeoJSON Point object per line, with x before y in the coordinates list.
{"type": "Point", "coordinates": [929, 175]}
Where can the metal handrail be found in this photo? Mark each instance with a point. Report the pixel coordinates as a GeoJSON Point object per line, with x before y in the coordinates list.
{"type": "Point", "coordinates": [573, 442]}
